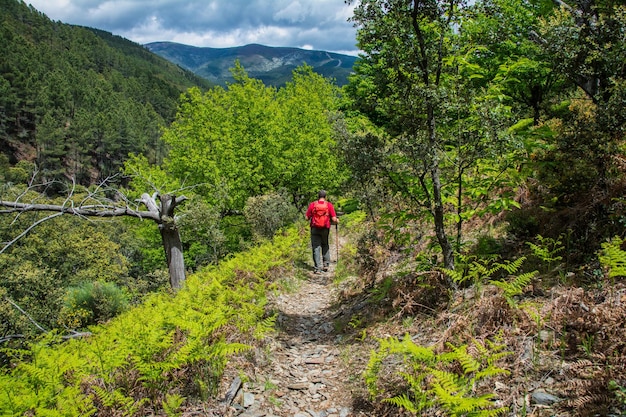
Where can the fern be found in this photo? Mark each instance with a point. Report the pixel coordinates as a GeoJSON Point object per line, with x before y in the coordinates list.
{"type": "Point", "coordinates": [171, 405]}
{"type": "Point", "coordinates": [403, 401]}
{"type": "Point", "coordinates": [512, 266]}
{"type": "Point", "coordinates": [116, 399]}
{"type": "Point", "coordinates": [137, 359]}
{"type": "Point", "coordinates": [446, 384]}
{"type": "Point", "coordinates": [472, 269]}
{"type": "Point", "coordinates": [478, 270]}
{"type": "Point", "coordinates": [467, 361]}
{"type": "Point", "coordinates": [613, 258]}
{"type": "Point", "coordinates": [547, 249]}
{"type": "Point", "coordinates": [515, 286]}
{"type": "Point", "coordinates": [430, 379]}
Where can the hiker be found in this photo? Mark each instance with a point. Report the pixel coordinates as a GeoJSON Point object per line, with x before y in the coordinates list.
{"type": "Point", "coordinates": [321, 215]}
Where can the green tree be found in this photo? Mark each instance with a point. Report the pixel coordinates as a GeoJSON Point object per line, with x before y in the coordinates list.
{"type": "Point", "coordinates": [224, 138]}
{"type": "Point", "coordinates": [307, 155]}
{"type": "Point", "coordinates": [499, 35]}
{"type": "Point", "coordinates": [37, 270]}
{"type": "Point", "coordinates": [407, 83]}
{"type": "Point", "coordinates": [249, 139]}
{"type": "Point", "coordinates": [79, 99]}
{"type": "Point", "coordinates": [586, 42]}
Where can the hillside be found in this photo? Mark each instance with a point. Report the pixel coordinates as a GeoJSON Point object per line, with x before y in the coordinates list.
{"type": "Point", "coordinates": [272, 65]}
{"type": "Point", "coordinates": [339, 343]}
{"type": "Point", "coordinates": [345, 338]}
{"type": "Point", "coordinates": [75, 101]}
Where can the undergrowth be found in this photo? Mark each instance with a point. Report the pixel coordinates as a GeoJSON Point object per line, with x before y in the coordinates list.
{"type": "Point", "coordinates": [155, 357]}
{"type": "Point", "coordinates": [574, 334]}
{"type": "Point", "coordinates": [454, 381]}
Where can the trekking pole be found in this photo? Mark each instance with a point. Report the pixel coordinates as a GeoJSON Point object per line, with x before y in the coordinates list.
{"type": "Point", "coordinates": [337, 242]}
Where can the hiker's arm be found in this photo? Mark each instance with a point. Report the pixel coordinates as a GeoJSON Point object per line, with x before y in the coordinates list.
{"type": "Point", "coordinates": [333, 215]}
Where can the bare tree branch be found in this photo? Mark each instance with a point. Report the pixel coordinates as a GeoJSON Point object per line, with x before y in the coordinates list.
{"type": "Point", "coordinates": [25, 232]}
{"type": "Point", "coordinates": [94, 210]}
{"type": "Point", "coordinates": [39, 326]}
{"type": "Point", "coordinates": [11, 336]}
{"type": "Point", "coordinates": [161, 212]}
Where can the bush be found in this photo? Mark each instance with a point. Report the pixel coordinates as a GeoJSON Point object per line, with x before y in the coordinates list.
{"type": "Point", "coordinates": [92, 303]}
{"type": "Point", "coordinates": [171, 346]}
{"type": "Point", "coordinates": [203, 236]}
{"type": "Point", "coordinates": [268, 213]}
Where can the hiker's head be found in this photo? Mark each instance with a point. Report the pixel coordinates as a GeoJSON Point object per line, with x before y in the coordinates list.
{"type": "Point", "coordinates": [321, 194]}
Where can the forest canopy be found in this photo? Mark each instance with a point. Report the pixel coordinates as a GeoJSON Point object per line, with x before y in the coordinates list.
{"type": "Point", "coordinates": [76, 101]}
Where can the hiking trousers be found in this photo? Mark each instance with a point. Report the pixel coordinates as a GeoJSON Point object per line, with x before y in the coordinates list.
{"type": "Point", "coordinates": [320, 247]}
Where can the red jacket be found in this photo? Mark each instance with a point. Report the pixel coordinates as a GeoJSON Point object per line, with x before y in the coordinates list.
{"type": "Point", "coordinates": [331, 212]}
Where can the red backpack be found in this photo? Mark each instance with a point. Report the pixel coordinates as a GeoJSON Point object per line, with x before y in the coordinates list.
{"type": "Point", "coordinates": [320, 214]}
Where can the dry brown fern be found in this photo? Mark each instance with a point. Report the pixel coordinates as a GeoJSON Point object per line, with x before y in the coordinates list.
{"type": "Point", "coordinates": [418, 293]}
{"type": "Point", "coordinates": [492, 312]}
{"type": "Point", "coordinates": [586, 384]}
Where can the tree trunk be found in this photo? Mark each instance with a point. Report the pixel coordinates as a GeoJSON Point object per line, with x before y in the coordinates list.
{"type": "Point", "coordinates": [173, 253]}
{"type": "Point", "coordinates": [170, 236]}
{"type": "Point", "coordinates": [438, 209]}
{"type": "Point", "coordinates": [438, 214]}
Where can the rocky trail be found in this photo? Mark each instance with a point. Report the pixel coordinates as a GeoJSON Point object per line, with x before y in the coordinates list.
{"type": "Point", "coordinates": [303, 372]}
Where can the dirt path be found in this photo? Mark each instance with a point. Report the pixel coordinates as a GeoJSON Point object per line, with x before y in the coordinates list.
{"type": "Point", "coordinates": [304, 372]}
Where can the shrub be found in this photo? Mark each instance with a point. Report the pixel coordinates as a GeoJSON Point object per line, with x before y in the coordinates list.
{"type": "Point", "coordinates": [268, 213]}
{"type": "Point", "coordinates": [93, 303]}
{"type": "Point", "coordinates": [149, 360]}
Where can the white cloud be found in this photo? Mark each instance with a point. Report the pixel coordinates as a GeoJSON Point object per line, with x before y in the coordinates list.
{"type": "Point", "coordinates": [320, 25]}
{"type": "Point", "coordinates": [294, 13]}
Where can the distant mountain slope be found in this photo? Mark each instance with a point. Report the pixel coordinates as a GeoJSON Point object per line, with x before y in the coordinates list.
{"type": "Point", "coordinates": [272, 65]}
{"type": "Point", "coordinates": [76, 101]}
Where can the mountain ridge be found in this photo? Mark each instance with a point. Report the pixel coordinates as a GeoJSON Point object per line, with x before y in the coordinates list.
{"type": "Point", "coordinates": [272, 65]}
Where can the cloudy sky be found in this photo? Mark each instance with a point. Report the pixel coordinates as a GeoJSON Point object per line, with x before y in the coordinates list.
{"type": "Point", "coordinates": [309, 24]}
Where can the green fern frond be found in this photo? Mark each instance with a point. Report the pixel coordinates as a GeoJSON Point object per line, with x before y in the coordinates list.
{"type": "Point", "coordinates": [451, 401]}
{"type": "Point", "coordinates": [372, 369]}
{"type": "Point", "coordinates": [106, 397]}
{"type": "Point", "coordinates": [171, 404]}
{"type": "Point", "coordinates": [472, 270]}
{"type": "Point", "coordinates": [513, 266]}
{"type": "Point", "coordinates": [496, 357]}
{"type": "Point", "coordinates": [467, 361]}
{"type": "Point", "coordinates": [235, 348]}
{"type": "Point", "coordinates": [612, 256]}
{"type": "Point", "coordinates": [515, 286]}
{"type": "Point", "coordinates": [265, 326]}
{"type": "Point", "coordinates": [493, 412]}
{"type": "Point", "coordinates": [462, 404]}
{"type": "Point", "coordinates": [431, 382]}
{"type": "Point", "coordinates": [547, 248]}
{"type": "Point", "coordinates": [403, 401]}
{"type": "Point", "coordinates": [447, 381]}
{"type": "Point", "coordinates": [416, 382]}
{"type": "Point", "coordinates": [494, 346]}
{"type": "Point", "coordinates": [490, 372]}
